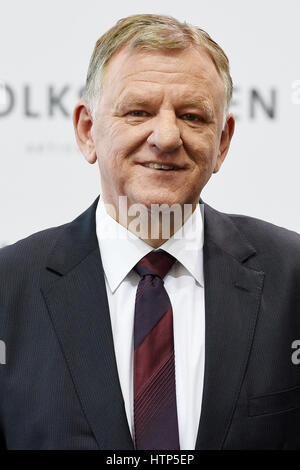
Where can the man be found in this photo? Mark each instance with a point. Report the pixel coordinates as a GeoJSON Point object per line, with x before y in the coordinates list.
{"type": "Point", "coordinates": [120, 339]}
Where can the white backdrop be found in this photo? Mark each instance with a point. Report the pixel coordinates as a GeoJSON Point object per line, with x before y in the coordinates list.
{"type": "Point", "coordinates": [44, 53]}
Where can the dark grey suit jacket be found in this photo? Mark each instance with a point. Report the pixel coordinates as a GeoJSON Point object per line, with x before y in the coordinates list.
{"type": "Point", "coordinates": [59, 388]}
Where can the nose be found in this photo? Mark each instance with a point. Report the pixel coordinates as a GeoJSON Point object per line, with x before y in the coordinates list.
{"type": "Point", "coordinates": [165, 134]}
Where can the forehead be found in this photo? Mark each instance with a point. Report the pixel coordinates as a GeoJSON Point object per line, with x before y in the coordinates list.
{"type": "Point", "coordinates": [189, 71]}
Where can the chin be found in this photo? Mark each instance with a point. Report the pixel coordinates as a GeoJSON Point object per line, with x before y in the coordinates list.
{"type": "Point", "coordinates": [156, 196]}
{"type": "Point", "coordinates": [157, 200]}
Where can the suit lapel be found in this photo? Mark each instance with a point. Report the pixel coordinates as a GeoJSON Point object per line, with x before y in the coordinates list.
{"type": "Point", "coordinates": [74, 290]}
{"type": "Point", "coordinates": [232, 299]}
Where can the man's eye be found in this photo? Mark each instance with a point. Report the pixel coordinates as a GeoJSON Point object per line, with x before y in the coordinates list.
{"type": "Point", "coordinates": [138, 113]}
{"type": "Point", "coordinates": [192, 117]}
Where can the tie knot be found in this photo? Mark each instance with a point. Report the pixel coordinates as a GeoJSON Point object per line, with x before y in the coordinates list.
{"type": "Point", "coordinates": [157, 263]}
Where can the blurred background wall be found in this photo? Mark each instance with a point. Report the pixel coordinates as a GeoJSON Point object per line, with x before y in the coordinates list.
{"type": "Point", "coordinates": [44, 53]}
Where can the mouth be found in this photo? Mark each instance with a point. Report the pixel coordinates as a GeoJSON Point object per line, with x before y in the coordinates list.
{"type": "Point", "coordinates": [160, 167]}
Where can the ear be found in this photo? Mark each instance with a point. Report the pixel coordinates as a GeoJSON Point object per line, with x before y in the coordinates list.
{"type": "Point", "coordinates": [225, 140]}
{"type": "Point", "coordinates": [83, 121]}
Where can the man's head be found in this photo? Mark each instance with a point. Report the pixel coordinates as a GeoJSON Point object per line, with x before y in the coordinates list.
{"type": "Point", "coordinates": [151, 32]}
{"type": "Point", "coordinates": [157, 92]}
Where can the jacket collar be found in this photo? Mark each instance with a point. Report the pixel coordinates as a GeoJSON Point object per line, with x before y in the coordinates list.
{"type": "Point", "coordinates": [81, 233]}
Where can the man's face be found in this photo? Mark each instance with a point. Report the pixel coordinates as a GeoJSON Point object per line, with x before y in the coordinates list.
{"type": "Point", "coordinates": [159, 107]}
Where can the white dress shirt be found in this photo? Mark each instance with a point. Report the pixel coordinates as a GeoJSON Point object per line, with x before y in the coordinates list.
{"type": "Point", "coordinates": [120, 251]}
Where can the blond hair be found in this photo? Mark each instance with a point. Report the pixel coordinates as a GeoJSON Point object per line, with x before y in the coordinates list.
{"type": "Point", "coordinates": [151, 32]}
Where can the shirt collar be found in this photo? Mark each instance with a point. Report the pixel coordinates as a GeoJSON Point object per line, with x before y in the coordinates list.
{"type": "Point", "coordinates": [121, 250]}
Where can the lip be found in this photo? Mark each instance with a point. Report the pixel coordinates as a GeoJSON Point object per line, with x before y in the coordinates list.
{"type": "Point", "coordinates": [176, 167]}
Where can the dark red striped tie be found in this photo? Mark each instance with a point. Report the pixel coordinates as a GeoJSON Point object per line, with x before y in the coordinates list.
{"type": "Point", "coordinates": [155, 410]}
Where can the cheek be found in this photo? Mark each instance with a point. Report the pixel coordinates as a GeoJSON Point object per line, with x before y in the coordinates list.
{"type": "Point", "coordinates": [204, 148]}
{"type": "Point", "coordinates": [106, 144]}
{"type": "Point", "coordinates": [115, 140]}
{"type": "Point", "coordinates": [112, 148]}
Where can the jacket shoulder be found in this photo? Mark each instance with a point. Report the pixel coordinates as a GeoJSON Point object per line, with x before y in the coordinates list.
{"type": "Point", "coordinates": [28, 253]}
{"type": "Point", "coordinates": [23, 260]}
{"type": "Point", "coordinates": [269, 240]}
{"type": "Point", "coordinates": [264, 229]}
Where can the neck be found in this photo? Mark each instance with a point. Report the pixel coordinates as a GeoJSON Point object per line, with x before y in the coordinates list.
{"type": "Point", "coordinates": [155, 225]}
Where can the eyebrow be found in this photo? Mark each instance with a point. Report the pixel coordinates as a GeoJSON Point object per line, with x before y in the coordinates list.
{"type": "Point", "coordinates": [131, 101]}
{"type": "Point", "coordinates": [200, 103]}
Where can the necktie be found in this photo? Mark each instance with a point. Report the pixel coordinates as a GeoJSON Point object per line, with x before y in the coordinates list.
{"type": "Point", "coordinates": [155, 410]}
